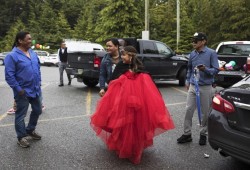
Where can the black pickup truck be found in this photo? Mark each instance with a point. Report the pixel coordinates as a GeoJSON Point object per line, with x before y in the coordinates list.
{"type": "Point", "coordinates": [236, 52]}
{"type": "Point", "coordinates": [158, 59]}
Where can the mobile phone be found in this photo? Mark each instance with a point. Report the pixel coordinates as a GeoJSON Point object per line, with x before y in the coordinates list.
{"type": "Point", "coordinates": [200, 65]}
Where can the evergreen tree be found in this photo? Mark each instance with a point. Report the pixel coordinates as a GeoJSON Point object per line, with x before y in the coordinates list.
{"type": "Point", "coordinates": [48, 26]}
{"type": "Point", "coordinates": [119, 19]}
{"type": "Point", "coordinates": [63, 27]}
{"type": "Point", "coordinates": [236, 20]}
{"type": "Point", "coordinates": [72, 10]}
{"type": "Point", "coordinates": [9, 39]}
{"type": "Point", "coordinates": [163, 23]}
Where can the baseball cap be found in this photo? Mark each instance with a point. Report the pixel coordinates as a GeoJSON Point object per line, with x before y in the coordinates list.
{"type": "Point", "coordinates": [199, 36]}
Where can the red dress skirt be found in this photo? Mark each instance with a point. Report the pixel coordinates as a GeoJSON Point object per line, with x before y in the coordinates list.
{"type": "Point", "coordinates": [130, 114]}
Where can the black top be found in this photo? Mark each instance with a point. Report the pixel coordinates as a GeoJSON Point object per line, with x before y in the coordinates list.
{"type": "Point", "coordinates": [119, 70]}
{"type": "Point", "coordinates": [63, 56]}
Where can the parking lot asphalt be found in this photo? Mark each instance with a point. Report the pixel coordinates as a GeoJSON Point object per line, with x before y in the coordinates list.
{"type": "Point", "coordinates": [68, 142]}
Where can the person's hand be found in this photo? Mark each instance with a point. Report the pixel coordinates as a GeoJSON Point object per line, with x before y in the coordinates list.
{"type": "Point", "coordinates": [20, 93]}
{"type": "Point", "coordinates": [187, 86]}
{"type": "Point", "coordinates": [201, 67]}
{"type": "Point", "coordinates": [102, 92]}
{"type": "Point", "coordinates": [214, 85]}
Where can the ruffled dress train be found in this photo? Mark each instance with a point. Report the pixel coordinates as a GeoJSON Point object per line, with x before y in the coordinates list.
{"type": "Point", "coordinates": [130, 114]}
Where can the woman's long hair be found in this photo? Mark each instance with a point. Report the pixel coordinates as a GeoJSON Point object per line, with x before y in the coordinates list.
{"type": "Point", "coordinates": [135, 65]}
{"type": "Point", "coordinates": [19, 36]}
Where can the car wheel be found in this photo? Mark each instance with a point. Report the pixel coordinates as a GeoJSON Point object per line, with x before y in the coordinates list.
{"type": "Point", "coordinates": [1, 62]}
{"type": "Point", "coordinates": [182, 77]}
{"type": "Point", "coordinates": [90, 82]}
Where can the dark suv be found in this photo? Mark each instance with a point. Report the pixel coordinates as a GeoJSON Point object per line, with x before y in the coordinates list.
{"type": "Point", "coordinates": [229, 121]}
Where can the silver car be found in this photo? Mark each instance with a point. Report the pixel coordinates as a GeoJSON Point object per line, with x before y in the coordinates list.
{"type": "Point", "coordinates": [2, 57]}
{"type": "Point", "coordinates": [229, 121]}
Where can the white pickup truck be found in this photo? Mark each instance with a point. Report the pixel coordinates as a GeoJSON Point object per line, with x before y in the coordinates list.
{"type": "Point", "coordinates": [238, 53]}
{"type": "Point", "coordinates": [84, 59]}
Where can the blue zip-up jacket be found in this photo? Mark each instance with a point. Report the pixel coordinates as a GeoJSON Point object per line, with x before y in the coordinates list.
{"type": "Point", "coordinates": [106, 70]}
{"type": "Point", "coordinates": [207, 57]}
{"type": "Point", "coordinates": [23, 73]}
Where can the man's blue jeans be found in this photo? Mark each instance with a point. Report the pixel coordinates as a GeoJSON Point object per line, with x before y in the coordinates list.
{"type": "Point", "coordinates": [22, 103]}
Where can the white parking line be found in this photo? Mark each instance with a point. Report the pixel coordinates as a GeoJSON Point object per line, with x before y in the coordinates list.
{"type": "Point", "coordinates": [2, 116]}
{"type": "Point", "coordinates": [88, 108]}
{"type": "Point", "coordinates": [180, 90]}
{"type": "Point", "coordinates": [48, 120]}
{"type": "Point", "coordinates": [45, 85]}
{"type": "Point", "coordinates": [174, 104]}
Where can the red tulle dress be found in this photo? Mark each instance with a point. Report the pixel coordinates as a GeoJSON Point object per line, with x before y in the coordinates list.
{"type": "Point", "coordinates": [130, 114]}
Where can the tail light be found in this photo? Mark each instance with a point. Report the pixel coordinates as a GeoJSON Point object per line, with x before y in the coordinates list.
{"type": "Point", "coordinates": [248, 66]}
{"type": "Point", "coordinates": [222, 105]}
{"type": "Point", "coordinates": [97, 62]}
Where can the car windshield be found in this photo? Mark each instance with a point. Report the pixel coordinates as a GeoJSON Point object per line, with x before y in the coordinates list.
{"type": "Point", "coordinates": [234, 49]}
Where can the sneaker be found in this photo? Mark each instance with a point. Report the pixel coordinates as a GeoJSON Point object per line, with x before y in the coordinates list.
{"type": "Point", "coordinates": [203, 140]}
{"type": "Point", "coordinates": [11, 111]}
{"type": "Point", "coordinates": [184, 139]}
{"type": "Point", "coordinates": [35, 136]}
{"type": "Point", "coordinates": [23, 142]}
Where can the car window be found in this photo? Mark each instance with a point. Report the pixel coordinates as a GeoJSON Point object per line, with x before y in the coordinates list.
{"type": "Point", "coordinates": [234, 49]}
{"type": "Point", "coordinates": [149, 48]}
{"type": "Point", "coordinates": [163, 49]}
{"type": "Point", "coordinates": [42, 53]}
{"type": "Point", "coordinates": [53, 55]}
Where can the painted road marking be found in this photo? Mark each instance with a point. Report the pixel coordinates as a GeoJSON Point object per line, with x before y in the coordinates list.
{"type": "Point", "coordinates": [88, 102]}
{"type": "Point", "coordinates": [180, 90]}
{"type": "Point", "coordinates": [174, 104]}
{"type": "Point", "coordinates": [88, 107]}
{"type": "Point", "coordinates": [48, 120]}
{"type": "Point", "coordinates": [2, 116]}
{"type": "Point", "coordinates": [45, 85]}
{"type": "Point", "coordinates": [74, 117]}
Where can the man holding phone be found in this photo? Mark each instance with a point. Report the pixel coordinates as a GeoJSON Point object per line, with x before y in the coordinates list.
{"type": "Point", "coordinates": [206, 60]}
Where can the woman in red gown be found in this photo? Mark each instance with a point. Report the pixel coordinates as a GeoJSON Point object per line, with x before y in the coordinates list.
{"type": "Point", "coordinates": [131, 112]}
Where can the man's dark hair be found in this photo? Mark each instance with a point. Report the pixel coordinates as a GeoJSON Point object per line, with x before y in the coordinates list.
{"type": "Point", "coordinates": [19, 36]}
{"type": "Point", "coordinates": [114, 41]}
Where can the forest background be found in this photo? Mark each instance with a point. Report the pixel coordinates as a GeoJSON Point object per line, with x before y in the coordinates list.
{"type": "Point", "coordinates": [50, 21]}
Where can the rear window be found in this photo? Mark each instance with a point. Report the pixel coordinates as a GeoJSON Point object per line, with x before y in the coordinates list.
{"type": "Point", "coordinates": [149, 48]}
{"type": "Point", "coordinates": [234, 49]}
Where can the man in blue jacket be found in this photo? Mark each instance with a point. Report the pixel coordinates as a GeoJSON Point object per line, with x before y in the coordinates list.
{"type": "Point", "coordinates": [205, 61]}
{"type": "Point", "coordinates": [22, 73]}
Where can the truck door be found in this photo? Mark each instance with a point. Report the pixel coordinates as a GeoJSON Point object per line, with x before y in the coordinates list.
{"type": "Point", "coordinates": [151, 58]}
{"type": "Point", "coordinates": [166, 65]}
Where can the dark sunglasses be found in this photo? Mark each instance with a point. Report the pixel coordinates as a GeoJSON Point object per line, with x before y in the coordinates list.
{"type": "Point", "coordinates": [195, 41]}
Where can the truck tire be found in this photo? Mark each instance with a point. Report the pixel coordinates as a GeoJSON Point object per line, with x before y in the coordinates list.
{"type": "Point", "coordinates": [90, 82]}
{"type": "Point", "coordinates": [182, 77]}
